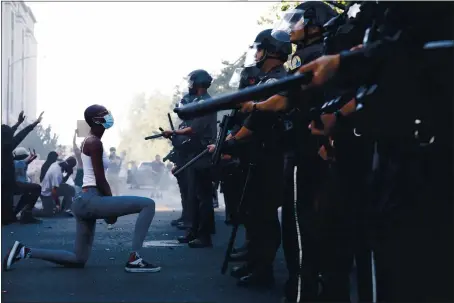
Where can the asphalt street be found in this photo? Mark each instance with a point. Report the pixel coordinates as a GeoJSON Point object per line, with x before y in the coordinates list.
{"type": "Point", "coordinates": [188, 275]}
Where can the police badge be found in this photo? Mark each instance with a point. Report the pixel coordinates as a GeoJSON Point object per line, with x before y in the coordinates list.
{"type": "Point", "coordinates": [296, 62]}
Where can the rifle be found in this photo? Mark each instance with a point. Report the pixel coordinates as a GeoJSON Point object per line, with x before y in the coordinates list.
{"type": "Point", "coordinates": [224, 126]}
{"type": "Point", "coordinates": [155, 136]}
{"type": "Point", "coordinates": [231, 100]}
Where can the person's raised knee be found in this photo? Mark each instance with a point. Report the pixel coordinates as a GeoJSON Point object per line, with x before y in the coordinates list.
{"type": "Point", "coordinates": [151, 203]}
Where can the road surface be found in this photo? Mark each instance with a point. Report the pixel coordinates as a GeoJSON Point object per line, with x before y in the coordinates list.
{"type": "Point", "coordinates": [188, 275]}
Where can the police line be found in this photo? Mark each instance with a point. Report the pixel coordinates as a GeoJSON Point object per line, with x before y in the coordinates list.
{"type": "Point", "coordinates": [231, 100]}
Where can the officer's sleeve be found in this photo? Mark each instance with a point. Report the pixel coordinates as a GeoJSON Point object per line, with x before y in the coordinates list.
{"type": "Point", "coordinates": [360, 66]}
{"type": "Point", "coordinates": [256, 120]}
{"type": "Point", "coordinates": [198, 125]}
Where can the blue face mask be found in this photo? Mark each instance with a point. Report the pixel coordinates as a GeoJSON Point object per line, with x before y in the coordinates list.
{"type": "Point", "coordinates": [109, 121]}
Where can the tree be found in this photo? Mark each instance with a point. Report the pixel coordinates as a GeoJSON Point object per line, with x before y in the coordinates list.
{"type": "Point", "coordinates": [276, 10]}
{"type": "Point", "coordinates": [43, 140]}
{"type": "Point", "coordinates": [145, 115]}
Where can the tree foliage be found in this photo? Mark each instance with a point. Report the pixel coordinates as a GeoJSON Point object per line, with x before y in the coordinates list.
{"type": "Point", "coordinates": [276, 10]}
{"type": "Point", "coordinates": [43, 140]}
{"type": "Point", "coordinates": [146, 115]}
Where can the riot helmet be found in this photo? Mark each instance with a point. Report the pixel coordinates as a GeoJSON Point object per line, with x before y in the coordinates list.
{"type": "Point", "coordinates": [297, 21]}
{"type": "Point", "coordinates": [268, 47]}
{"type": "Point", "coordinates": [198, 79]}
{"type": "Point", "coordinates": [244, 77]}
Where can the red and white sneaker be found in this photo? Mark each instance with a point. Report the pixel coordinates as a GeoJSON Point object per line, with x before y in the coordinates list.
{"type": "Point", "coordinates": [137, 264]}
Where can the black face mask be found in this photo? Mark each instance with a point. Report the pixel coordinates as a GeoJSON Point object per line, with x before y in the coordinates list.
{"type": "Point", "coordinates": [192, 91]}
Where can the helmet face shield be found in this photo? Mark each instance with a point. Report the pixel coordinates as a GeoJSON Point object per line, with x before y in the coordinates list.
{"type": "Point", "coordinates": [291, 21]}
{"type": "Point", "coordinates": [236, 78]}
{"type": "Point", "coordinates": [190, 84]}
{"type": "Point", "coordinates": [253, 56]}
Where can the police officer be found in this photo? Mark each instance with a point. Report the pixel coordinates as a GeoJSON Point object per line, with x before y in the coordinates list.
{"type": "Point", "coordinates": [302, 26]}
{"type": "Point", "coordinates": [202, 132]}
{"type": "Point", "coordinates": [265, 191]}
{"type": "Point", "coordinates": [399, 70]}
{"type": "Point", "coordinates": [179, 158]}
{"type": "Point", "coordinates": [241, 78]}
{"type": "Point", "coordinates": [235, 172]}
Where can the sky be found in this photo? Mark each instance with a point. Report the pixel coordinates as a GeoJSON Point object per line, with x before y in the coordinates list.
{"type": "Point", "coordinates": [106, 52]}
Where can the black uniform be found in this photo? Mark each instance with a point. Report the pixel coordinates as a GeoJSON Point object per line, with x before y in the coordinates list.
{"type": "Point", "coordinates": [234, 171]}
{"type": "Point", "coordinates": [200, 178]}
{"type": "Point", "coordinates": [405, 86]}
{"type": "Point", "coordinates": [179, 156]}
{"type": "Point", "coordinates": [303, 165]}
{"type": "Point", "coordinates": [265, 190]}
{"type": "Point", "coordinates": [300, 214]}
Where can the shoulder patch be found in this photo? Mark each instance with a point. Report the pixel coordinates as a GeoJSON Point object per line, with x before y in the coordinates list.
{"type": "Point", "coordinates": [296, 62]}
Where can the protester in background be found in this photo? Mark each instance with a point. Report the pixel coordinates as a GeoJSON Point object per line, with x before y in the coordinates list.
{"type": "Point", "coordinates": [133, 175]}
{"type": "Point", "coordinates": [53, 186]}
{"type": "Point", "coordinates": [113, 171]}
{"type": "Point", "coordinates": [29, 192]}
{"type": "Point", "coordinates": [9, 184]}
{"type": "Point", "coordinates": [51, 159]}
{"type": "Point", "coordinates": [78, 180]}
{"type": "Point", "coordinates": [157, 167]}
{"type": "Point", "coordinates": [22, 158]}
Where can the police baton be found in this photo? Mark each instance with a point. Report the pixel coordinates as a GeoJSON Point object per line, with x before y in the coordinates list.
{"type": "Point", "coordinates": [192, 161]}
{"type": "Point", "coordinates": [231, 100]}
{"type": "Point", "coordinates": [170, 121]}
{"type": "Point", "coordinates": [156, 136]}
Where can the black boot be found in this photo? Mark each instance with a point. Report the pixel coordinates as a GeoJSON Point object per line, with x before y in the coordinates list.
{"type": "Point", "coordinates": [240, 271]}
{"type": "Point", "coordinates": [187, 238]}
{"type": "Point", "coordinates": [239, 256]}
{"type": "Point", "coordinates": [183, 225]}
{"type": "Point", "coordinates": [256, 279]}
{"type": "Point", "coordinates": [176, 222]}
{"type": "Point", "coordinates": [201, 242]}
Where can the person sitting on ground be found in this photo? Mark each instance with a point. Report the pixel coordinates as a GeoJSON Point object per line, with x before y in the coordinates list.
{"type": "Point", "coordinates": [95, 202]}
{"type": "Point", "coordinates": [29, 191]}
{"type": "Point", "coordinates": [22, 158]}
{"type": "Point", "coordinates": [51, 159]}
{"type": "Point", "coordinates": [53, 186]}
{"type": "Point", "coordinates": [9, 185]}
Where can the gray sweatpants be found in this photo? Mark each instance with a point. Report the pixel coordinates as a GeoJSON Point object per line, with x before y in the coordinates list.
{"type": "Point", "coordinates": [88, 206]}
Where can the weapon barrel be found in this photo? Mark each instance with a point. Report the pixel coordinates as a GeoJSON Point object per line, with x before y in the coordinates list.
{"type": "Point", "coordinates": [153, 137]}
{"type": "Point", "coordinates": [230, 101]}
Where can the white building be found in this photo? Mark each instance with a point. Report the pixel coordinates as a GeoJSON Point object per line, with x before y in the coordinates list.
{"type": "Point", "coordinates": [19, 58]}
